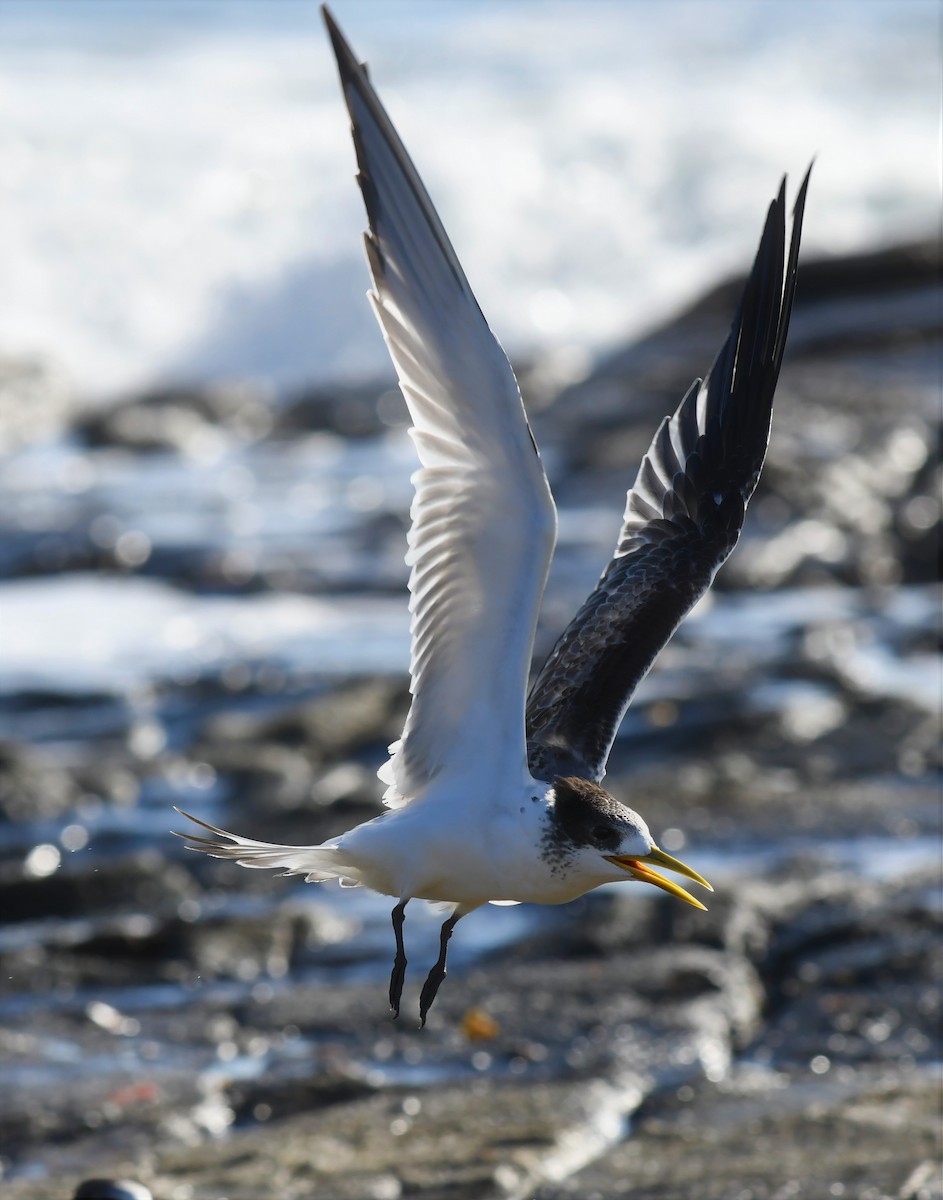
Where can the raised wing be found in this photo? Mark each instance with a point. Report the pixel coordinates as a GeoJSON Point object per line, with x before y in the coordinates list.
{"type": "Point", "coordinates": [483, 520]}
{"type": "Point", "coordinates": [682, 519]}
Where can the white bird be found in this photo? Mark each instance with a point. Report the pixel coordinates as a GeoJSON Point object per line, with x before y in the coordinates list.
{"type": "Point", "coordinates": [490, 798]}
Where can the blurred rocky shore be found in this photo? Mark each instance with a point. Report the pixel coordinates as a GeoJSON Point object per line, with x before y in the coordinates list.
{"type": "Point", "coordinates": [218, 1033]}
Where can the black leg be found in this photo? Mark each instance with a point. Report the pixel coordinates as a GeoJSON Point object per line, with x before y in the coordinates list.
{"type": "Point", "coordinates": [438, 972]}
{"type": "Point", "coordinates": [399, 962]}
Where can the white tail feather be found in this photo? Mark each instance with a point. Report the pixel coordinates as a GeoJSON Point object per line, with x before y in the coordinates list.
{"type": "Point", "coordinates": [316, 863]}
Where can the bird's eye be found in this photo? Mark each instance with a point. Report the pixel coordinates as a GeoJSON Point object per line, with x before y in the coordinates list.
{"type": "Point", "coordinates": [602, 831]}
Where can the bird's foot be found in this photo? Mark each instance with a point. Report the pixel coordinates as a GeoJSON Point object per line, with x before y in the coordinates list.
{"type": "Point", "coordinates": [398, 975]}
{"type": "Point", "coordinates": [434, 979]}
{"type": "Point", "coordinates": [397, 978]}
{"type": "Point", "coordinates": [429, 991]}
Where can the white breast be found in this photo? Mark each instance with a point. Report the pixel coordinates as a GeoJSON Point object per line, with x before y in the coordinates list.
{"type": "Point", "coordinates": [434, 850]}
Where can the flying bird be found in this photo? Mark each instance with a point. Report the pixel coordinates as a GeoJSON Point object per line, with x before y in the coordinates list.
{"type": "Point", "coordinates": [493, 793]}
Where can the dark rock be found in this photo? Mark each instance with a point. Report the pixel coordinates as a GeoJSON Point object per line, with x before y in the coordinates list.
{"type": "Point", "coordinates": [111, 1189]}
{"type": "Point", "coordinates": [769, 1135]}
{"type": "Point", "coordinates": [32, 787]}
{"type": "Point", "coordinates": [186, 420]}
{"type": "Point", "coordinates": [352, 410]}
{"type": "Point", "coordinates": [582, 1029]}
{"type": "Point", "coordinates": [855, 976]}
{"type": "Point", "coordinates": [165, 946]}
{"type": "Point", "coordinates": [299, 760]}
{"type": "Point", "coordinates": [217, 1032]}
{"type": "Point", "coordinates": [334, 725]}
{"type": "Point", "coordinates": [144, 882]}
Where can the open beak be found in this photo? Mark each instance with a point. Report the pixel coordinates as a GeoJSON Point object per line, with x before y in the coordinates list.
{"type": "Point", "coordinates": [639, 868]}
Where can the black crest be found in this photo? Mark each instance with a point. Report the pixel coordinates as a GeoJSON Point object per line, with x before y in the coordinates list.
{"type": "Point", "coordinates": [584, 814]}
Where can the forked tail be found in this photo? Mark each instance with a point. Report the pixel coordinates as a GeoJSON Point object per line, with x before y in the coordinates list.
{"type": "Point", "coordinates": [316, 863]}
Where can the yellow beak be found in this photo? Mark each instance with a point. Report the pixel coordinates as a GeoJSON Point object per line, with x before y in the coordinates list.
{"type": "Point", "coordinates": [638, 869]}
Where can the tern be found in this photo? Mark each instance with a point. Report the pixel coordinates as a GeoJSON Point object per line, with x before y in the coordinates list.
{"type": "Point", "coordinates": [494, 794]}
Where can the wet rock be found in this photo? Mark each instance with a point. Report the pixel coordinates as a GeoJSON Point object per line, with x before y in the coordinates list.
{"type": "Point", "coordinates": [291, 1088]}
{"type": "Point", "coordinates": [299, 760]}
{"type": "Point", "coordinates": [852, 975]}
{"type": "Point", "coordinates": [144, 882]}
{"type": "Point", "coordinates": [31, 787]}
{"type": "Point", "coordinates": [38, 785]}
{"type": "Point", "coordinates": [194, 420]}
{"type": "Point", "coordinates": [334, 725]}
{"type": "Point", "coordinates": [352, 410]}
{"type": "Point", "coordinates": [238, 1033]}
{"type": "Point", "coordinates": [181, 943]}
{"type": "Point", "coordinates": [580, 1029]}
{"type": "Point", "coordinates": [469, 1142]}
{"type": "Point", "coordinates": [111, 1189]}
{"type": "Point", "coordinates": [855, 976]}
{"type": "Point", "coordinates": [187, 420]}
{"type": "Point", "coordinates": [262, 774]}
{"type": "Point", "coordinates": [767, 1135]}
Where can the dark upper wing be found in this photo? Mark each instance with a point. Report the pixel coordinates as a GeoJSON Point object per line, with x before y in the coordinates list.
{"type": "Point", "coordinates": [682, 519]}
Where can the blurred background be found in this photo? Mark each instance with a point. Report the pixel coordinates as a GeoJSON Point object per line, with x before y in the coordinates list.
{"type": "Point", "coordinates": [177, 199]}
{"type": "Point", "coordinates": [204, 492]}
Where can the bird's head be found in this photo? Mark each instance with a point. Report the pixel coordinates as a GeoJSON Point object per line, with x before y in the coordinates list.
{"type": "Point", "coordinates": [592, 832]}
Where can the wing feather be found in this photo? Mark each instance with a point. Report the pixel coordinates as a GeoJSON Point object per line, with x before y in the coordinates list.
{"type": "Point", "coordinates": [483, 520]}
{"type": "Point", "coordinates": [682, 519]}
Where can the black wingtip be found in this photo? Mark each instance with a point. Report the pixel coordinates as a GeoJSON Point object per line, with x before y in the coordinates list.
{"type": "Point", "coordinates": [798, 208]}
{"type": "Point", "coordinates": [349, 68]}
{"type": "Point", "coordinates": [332, 26]}
{"type": "Point", "coordinates": [369, 118]}
{"type": "Point", "coordinates": [792, 265]}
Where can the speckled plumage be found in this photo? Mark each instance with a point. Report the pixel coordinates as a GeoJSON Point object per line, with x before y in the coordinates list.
{"type": "Point", "coordinates": [583, 816]}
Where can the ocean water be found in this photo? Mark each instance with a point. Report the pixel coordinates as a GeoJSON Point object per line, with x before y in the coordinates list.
{"type": "Point", "coordinates": [176, 193]}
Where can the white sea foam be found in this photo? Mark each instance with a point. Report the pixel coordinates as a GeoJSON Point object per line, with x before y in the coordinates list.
{"type": "Point", "coordinates": [88, 633]}
{"type": "Point", "coordinates": [175, 180]}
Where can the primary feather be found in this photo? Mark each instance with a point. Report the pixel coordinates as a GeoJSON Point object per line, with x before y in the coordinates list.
{"type": "Point", "coordinates": [682, 519]}
{"type": "Point", "coordinates": [483, 520]}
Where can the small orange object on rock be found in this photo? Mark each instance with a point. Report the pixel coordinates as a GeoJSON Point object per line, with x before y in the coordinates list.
{"type": "Point", "coordinates": [477, 1026]}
